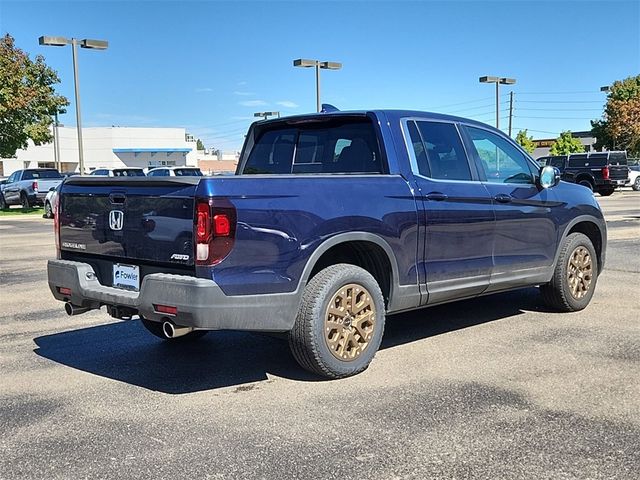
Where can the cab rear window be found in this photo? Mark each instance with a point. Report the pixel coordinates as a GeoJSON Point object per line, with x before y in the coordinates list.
{"type": "Point", "coordinates": [338, 145]}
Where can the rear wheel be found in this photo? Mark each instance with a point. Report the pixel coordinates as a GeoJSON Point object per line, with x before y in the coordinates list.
{"type": "Point", "coordinates": [605, 192]}
{"type": "Point", "coordinates": [156, 329]}
{"type": "Point", "coordinates": [587, 184]}
{"type": "Point", "coordinates": [575, 275]}
{"type": "Point", "coordinates": [340, 323]}
{"type": "Point", "coordinates": [636, 184]}
{"type": "Point", "coordinates": [24, 201]}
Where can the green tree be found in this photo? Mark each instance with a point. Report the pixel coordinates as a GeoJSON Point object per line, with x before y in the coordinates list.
{"type": "Point", "coordinates": [619, 128]}
{"type": "Point", "coordinates": [199, 145]}
{"type": "Point", "coordinates": [27, 98]}
{"type": "Point", "coordinates": [566, 144]}
{"type": "Point", "coordinates": [525, 141]}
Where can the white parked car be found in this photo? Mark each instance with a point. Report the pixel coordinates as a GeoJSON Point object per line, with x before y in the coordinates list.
{"type": "Point", "coordinates": [174, 172]}
{"type": "Point", "coordinates": [634, 177]}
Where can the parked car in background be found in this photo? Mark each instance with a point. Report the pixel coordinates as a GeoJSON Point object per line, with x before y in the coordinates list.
{"type": "Point", "coordinates": [28, 187]}
{"type": "Point", "coordinates": [600, 172]}
{"type": "Point", "coordinates": [174, 172]}
{"type": "Point", "coordinates": [634, 177]}
{"type": "Point", "coordinates": [118, 172]}
{"type": "Point", "coordinates": [334, 221]}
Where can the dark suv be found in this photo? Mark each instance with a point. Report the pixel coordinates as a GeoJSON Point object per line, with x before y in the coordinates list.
{"type": "Point", "coordinates": [601, 172]}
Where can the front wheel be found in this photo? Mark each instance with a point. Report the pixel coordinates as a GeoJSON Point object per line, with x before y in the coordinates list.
{"type": "Point", "coordinates": [636, 184]}
{"type": "Point", "coordinates": [155, 328]}
{"type": "Point", "coordinates": [575, 275]}
{"type": "Point", "coordinates": [340, 323]}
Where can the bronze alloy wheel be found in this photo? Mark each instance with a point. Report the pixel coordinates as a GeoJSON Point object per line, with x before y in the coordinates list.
{"type": "Point", "coordinates": [579, 272]}
{"type": "Point", "coordinates": [349, 322]}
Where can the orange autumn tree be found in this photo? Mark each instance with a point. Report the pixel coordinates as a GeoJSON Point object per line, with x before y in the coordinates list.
{"type": "Point", "coordinates": [619, 128]}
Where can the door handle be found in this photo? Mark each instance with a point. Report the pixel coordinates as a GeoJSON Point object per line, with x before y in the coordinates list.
{"type": "Point", "coordinates": [502, 198]}
{"type": "Point", "coordinates": [437, 196]}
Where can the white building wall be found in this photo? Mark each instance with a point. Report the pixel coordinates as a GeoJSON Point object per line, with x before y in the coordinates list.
{"type": "Point", "coordinates": [98, 146]}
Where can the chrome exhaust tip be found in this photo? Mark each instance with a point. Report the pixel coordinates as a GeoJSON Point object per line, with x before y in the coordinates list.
{"type": "Point", "coordinates": [171, 330]}
{"type": "Point", "coordinates": [72, 309]}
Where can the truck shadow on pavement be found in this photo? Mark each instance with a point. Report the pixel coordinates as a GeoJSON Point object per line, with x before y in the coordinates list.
{"type": "Point", "coordinates": [126, 352]}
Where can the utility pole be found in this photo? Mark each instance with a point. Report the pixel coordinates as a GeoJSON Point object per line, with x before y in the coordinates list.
{"type": "Point", "coordinates": [510, 111]}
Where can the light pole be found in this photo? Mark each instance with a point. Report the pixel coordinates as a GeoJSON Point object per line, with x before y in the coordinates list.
{"type": "Point", "coordinates": [498, 81]}
{"type": "Point", "coordinates": [74, 42]}
{"type": "Point", "coordinates": [305, 63]}
{"type": "Point", "coordinates": [266, 115]}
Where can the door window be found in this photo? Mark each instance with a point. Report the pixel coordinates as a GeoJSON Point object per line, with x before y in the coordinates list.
{"type": "Point", "coordinates": [443, 150]}
{"type": "Point", "coordinates": [501, 161]}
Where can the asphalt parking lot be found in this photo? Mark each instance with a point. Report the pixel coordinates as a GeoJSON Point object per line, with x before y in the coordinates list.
{"type": "Point", "coordinates": [497, 387]}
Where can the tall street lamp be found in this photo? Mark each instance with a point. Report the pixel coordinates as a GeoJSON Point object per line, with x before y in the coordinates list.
{"type": "Point", "coordinates": [266, 115]}
{"type": "Point", "coordinates": [305, 63]}
{"type": "Point", "coordinates": [498, 81]}
{"type": "Point", "coordinates": [74, 42]}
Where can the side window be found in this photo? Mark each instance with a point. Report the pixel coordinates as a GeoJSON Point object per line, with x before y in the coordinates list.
{"type": "Point", "coordinates": [445, 153]}
{"type": "Point", "coordinates": [557, 162]}
{"type": "Point", "coordinates": [418, 149]}
{"type": "Point", "coordinates": [29, 175]}
{"type": "Point", "coordinates": [502, 162]}
{"type": "Point", "coordinates": [12, 178]}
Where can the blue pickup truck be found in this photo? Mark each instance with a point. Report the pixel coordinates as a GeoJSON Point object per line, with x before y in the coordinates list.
{"type": "Point", "coordinates": [332, 222]}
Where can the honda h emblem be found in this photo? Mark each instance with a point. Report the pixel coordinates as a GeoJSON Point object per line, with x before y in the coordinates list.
{"type": "Point", "coordinates": [116, 219]}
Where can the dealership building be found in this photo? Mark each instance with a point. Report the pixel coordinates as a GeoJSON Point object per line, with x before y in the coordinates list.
{"type": "Point", "coordinates": [117, 147]}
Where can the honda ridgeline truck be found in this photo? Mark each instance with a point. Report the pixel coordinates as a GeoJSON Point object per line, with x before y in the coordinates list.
{"type": "Point", "coordinates": [332, 222]}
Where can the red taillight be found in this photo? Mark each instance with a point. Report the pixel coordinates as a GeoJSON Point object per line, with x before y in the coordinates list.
{"type": "Point", "coordinates": [34, 185]}
{"type": "Point", "coordinates": [215, 228]}
{"type": "Point", "coordinates": [203, 223]}
{"type": "Point", "coordinates": [605, 173]}
{"type": "Point", "coordinates": [221, 225]}
{"type": "Point", "coordinates": [169, 310]}
{"type": "Point", "coordinates": [64, 290]}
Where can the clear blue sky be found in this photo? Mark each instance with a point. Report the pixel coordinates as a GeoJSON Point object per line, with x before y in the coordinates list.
{"type": "Point", "coordinates": [208, 66]}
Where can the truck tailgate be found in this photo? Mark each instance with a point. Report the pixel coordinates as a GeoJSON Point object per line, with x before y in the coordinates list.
{"type": "Point", "coordinates": [129, 220]}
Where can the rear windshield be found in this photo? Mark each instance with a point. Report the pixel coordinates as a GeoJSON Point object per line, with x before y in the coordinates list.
{"type": "Point", "coordinates": [337, 145]}
{"type": "Point", "coordinates": [31, 174]}
{"type": "Point", "coordinates": [187, 172]}
{"type": "Point", "coordinates": [128, 172]}
{"type": "Point", "coordinates": [618, 158]}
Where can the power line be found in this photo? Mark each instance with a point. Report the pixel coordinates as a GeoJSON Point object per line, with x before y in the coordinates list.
{"type": "Point", "coordinates": [560, 101]}
{"type": "Point", "coordinates": [561, 93]}
{"type": "Point", "coordinates": [561, 109]}
{"type": "Point", "coordinates": [554, 118]}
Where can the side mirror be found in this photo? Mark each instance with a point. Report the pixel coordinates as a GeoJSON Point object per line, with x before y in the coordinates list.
{"type": "Point", "coordinates": [549, 176]}
{"type": "Point", "coordinates": [52, 188]}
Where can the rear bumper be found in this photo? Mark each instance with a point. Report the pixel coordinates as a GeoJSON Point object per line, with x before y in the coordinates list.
{"type": "Point", "coordinates": [200, 302]}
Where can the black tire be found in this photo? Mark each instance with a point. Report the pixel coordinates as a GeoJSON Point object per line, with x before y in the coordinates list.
{"type": "Point", "coordinates": [48, 211]}
{"type": "Point", "coordinates": [307, 339]}
{"type": "Point", "coordinates": [587, 184]}
{"type": "Point", "coordinates": [557, 293]}
{"type": "Point", "coordinates": [636, 184]}
{"type": "Point", "coordinates": [605, 192]}
{"type": "Point", "coordinates": [156, 329]}
{"type": "Point", "coordinates": [3, 204]}
{"type": "Point", "coordinates": [24, 201]}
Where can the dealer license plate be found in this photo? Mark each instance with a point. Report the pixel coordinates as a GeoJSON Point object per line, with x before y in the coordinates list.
{"type": "Point", "coordinates": [126, 276]}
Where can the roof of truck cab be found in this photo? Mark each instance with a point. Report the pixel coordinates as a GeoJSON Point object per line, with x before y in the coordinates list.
{"type": "Point", "coordinates": [391, 115]}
